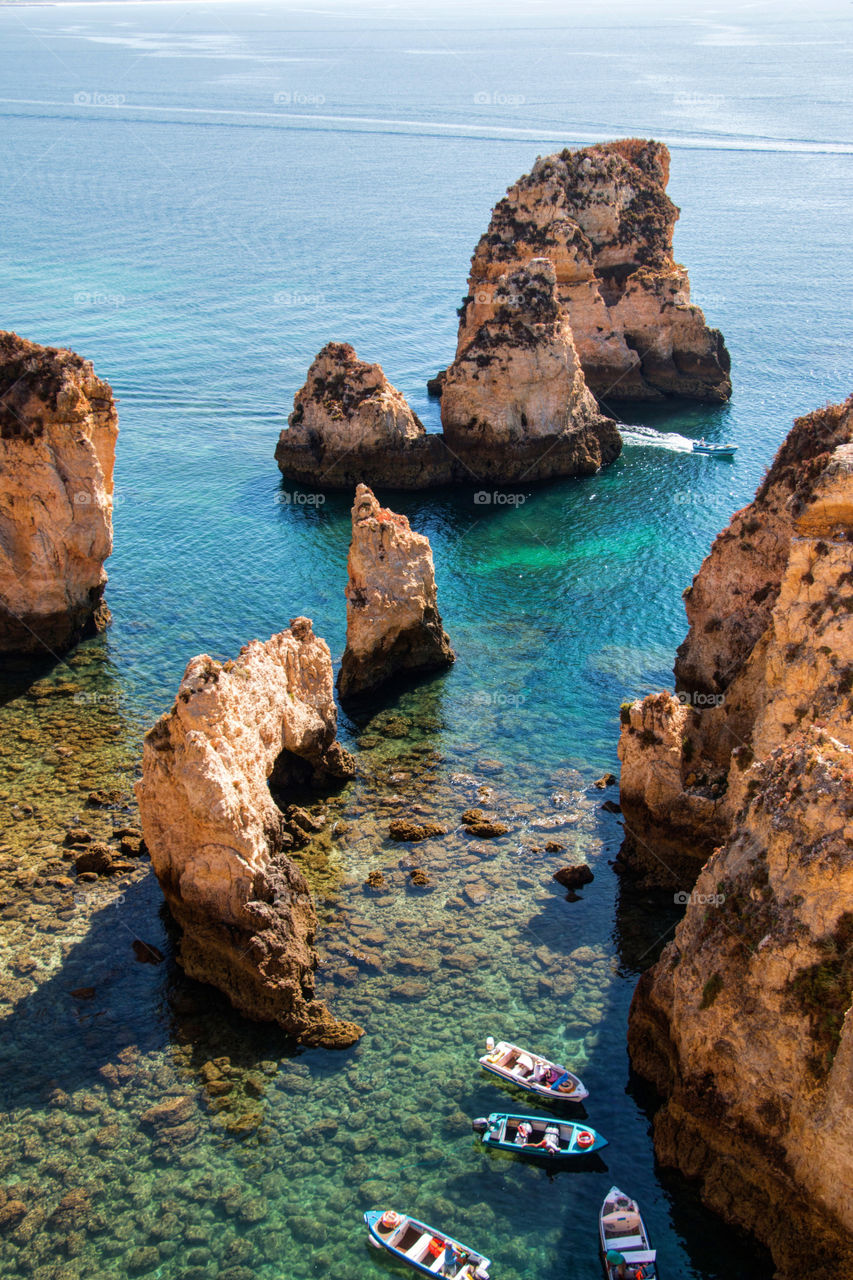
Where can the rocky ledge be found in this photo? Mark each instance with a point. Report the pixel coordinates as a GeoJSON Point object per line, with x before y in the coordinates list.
{"type": "Point", "coordinates": [217, 839]}
{"type": "Point", "coordinates": [393, 623]}
{"type": "Point", "coordinates": [744, 1024]}
{"type": "Point", "coordinates": [602, 217]}
{"type": "Point", "coordinates": [58, 429]}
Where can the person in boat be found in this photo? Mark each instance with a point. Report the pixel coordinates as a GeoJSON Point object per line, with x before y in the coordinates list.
{"type": "Point", "coordinates": [450, 1264]}
{"type": "Point", "coordinates": [551, 1141]}
{"type": "Point", "coordinates": [523, 1134]}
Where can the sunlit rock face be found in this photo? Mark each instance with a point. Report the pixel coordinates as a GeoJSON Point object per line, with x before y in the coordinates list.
{"type": "Point", "coordinates": [217, 839]}
{"type": "Point", "coordinates": [58, 430]}
{"type": "Point", "coordinates": [744, 1024]}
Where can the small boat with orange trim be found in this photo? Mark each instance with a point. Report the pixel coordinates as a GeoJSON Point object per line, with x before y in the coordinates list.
{"type": "Point", "coordinates": [429, 1251]}
{"type": "Point", "coordinates": [539, 1137]}
{"type": "Point", "coordinates": [625, 1248]}
{"type": "Point", "coordinates": [532, 1072]}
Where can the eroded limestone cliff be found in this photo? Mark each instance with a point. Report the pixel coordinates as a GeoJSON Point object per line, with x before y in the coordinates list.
{"type": "Point", "coordinates": [769, 650]}
{"type": "Point", "coordinates": [217, 839]}
{"type": "Point", "coordinates": [601, 215]}
{"type": "Point", "coordinates": [58, 429]}
{"type": "Point", "coordinates": [744, 1025]}
{"type": "Point", "coordinates": [393, 623]}
{"type": "Point", "coordinates": [514, 403]}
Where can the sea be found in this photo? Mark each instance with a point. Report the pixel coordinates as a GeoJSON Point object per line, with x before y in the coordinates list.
{"type": "Point", "coordinates": [197, 197]}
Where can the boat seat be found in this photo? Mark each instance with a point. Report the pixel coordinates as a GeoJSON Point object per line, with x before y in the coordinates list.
{"type": "Point", "coordinates": [438, 1264]}
{"type": "Point", "coordinates": [419, 1248]}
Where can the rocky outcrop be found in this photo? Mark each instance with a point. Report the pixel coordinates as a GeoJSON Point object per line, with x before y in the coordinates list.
{"type": "Point", "coordinates": [744, 1025]}
{"type": "Point", "coordinates": [393, 623]}
{"type": "Point", "coordinates": [602, 217]}
{"type": "Point", "coordinates": [514, 402]}
{"type": "Point", "coordinates": [58, 429]}
{"type": "Point", "coordinates": [769, 651]}
{"type": "Point", "coordinates": [515, 409]}
{"type": "Point", "coordinates": [350, 424]}
{"type": "Point", "coordinates": [217, 838]}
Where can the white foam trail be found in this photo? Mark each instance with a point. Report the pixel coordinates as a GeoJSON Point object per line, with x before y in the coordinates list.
{"type": "Point", "coordinates": [656, 439]}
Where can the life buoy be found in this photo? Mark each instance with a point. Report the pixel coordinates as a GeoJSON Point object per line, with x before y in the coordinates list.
{"type": "Point", "coordinates": [585, 1139]}
{"type": "Point", "coordinates": [390, 1219]}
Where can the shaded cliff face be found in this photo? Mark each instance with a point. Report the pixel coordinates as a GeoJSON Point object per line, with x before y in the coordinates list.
{"type": "Point", "coordinates": [217, 839]}
{"type": "Point", "coordinates": [744, 1025]}
{"type": "Point", "coordinates": [514, 402]}
{"type": "Point", "coordinates": [602, 217]}
{"type": "Point", "coordinates": [58, 430]}
{"type": "Point", "coordinates": [393, 623]}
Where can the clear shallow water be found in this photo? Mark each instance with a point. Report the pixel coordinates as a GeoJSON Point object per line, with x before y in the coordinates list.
{"type": "Point", "coordinates": [200, 241]}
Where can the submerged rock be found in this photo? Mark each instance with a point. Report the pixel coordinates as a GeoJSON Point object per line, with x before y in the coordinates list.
{"type": "Point", "coordinates": [744, 1024]}
{"type": "Point", "coordinates": [216, 836]}
{"type": "Point", "coordinates": [58, 430]}
{"type": "Point", "coordinates": [393, 623]}
{"type": "Point", "coordinates": [602, 217]}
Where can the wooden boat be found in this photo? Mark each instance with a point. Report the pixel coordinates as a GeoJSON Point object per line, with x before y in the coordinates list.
{"type": "Point", "coordinates": [531, 1072]}
{"type": "Point", "coordinates": [422, 1247]}
{"type": "Point", "coordinates": [624, 1239]}
{"type": "Point", "coordinates": [539, 1137]}
{"type": "Point", "coordinates": [715, 450]}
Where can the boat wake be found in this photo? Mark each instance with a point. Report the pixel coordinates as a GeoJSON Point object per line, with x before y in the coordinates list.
{"type": "Point", "coordinates": [655, 439]}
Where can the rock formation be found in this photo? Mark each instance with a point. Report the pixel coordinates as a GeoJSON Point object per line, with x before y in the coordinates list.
{"type": "Point", "coordinates": [514, 403]}
{"type": "Point", "coordinates": [393, 623]}
{"type": "Point", "coordinates": [216, 837]}
{"type": "Point", "coordinates": [58, 429]}
{"type": "Point", "coordinates": [751, 670]}
{"type": "Point", "coordinates": [349, 424]}
{"type": "Point", "coordinates": [601, 215]}
{"type": "Point", "coordinates": [744, 1025]}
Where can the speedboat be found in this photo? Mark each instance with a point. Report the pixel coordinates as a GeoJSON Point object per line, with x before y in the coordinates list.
{"type": "Point", "coordinates": [539, 1137]}
{"type": "Point", "coordinates": [715, 450]}
{"type": "Point", "coordinates": [429, 1251]}
{"type": "Point", "coordinates": [624, 1239]}
{"type": "Point", "coordinates": [532, 1072]}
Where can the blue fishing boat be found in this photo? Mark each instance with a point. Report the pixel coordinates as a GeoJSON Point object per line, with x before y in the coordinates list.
{"type": "Point", "coordinates": [625, 1251]}
{"type": "Point", "coordinates": [539, 1137]}
{"type": "Point", "coordinates": [532, 1072]}
{"type": "Point", "coordinates": [714, 450]}
{"type": "Point", "coordinates": [429, 1251]}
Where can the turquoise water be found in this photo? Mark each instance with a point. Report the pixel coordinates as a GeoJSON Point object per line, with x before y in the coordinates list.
{"type": "Point", "coordinates": [200, 241]}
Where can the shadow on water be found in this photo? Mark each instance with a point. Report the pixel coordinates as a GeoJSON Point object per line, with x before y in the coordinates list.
{"type": "Point", "coordinates": [117, 987]}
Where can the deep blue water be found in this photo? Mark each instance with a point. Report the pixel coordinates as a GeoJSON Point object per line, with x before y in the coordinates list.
{"type": "Point", "coordinates": [197, 198]}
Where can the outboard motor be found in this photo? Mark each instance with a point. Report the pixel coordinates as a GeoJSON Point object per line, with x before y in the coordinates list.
{"type": "Point", "coordinates": [480, 1125]}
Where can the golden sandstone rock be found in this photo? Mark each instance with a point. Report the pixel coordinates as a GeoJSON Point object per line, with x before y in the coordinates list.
{"type": "Point", "coordinates": [744, 1024]}
{"type": "Point", "coordinates": [216, 837]}
{"type": "Point", "coordinates": [58, 429]}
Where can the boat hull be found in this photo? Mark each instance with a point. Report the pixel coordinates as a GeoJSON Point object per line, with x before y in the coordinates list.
{"type": "Point", "coordinates": [567, 1088]}
{"type": "Point", "coordinates": [501, 1127]}
{"type": "Point", "coordinates": [476, 1265]}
